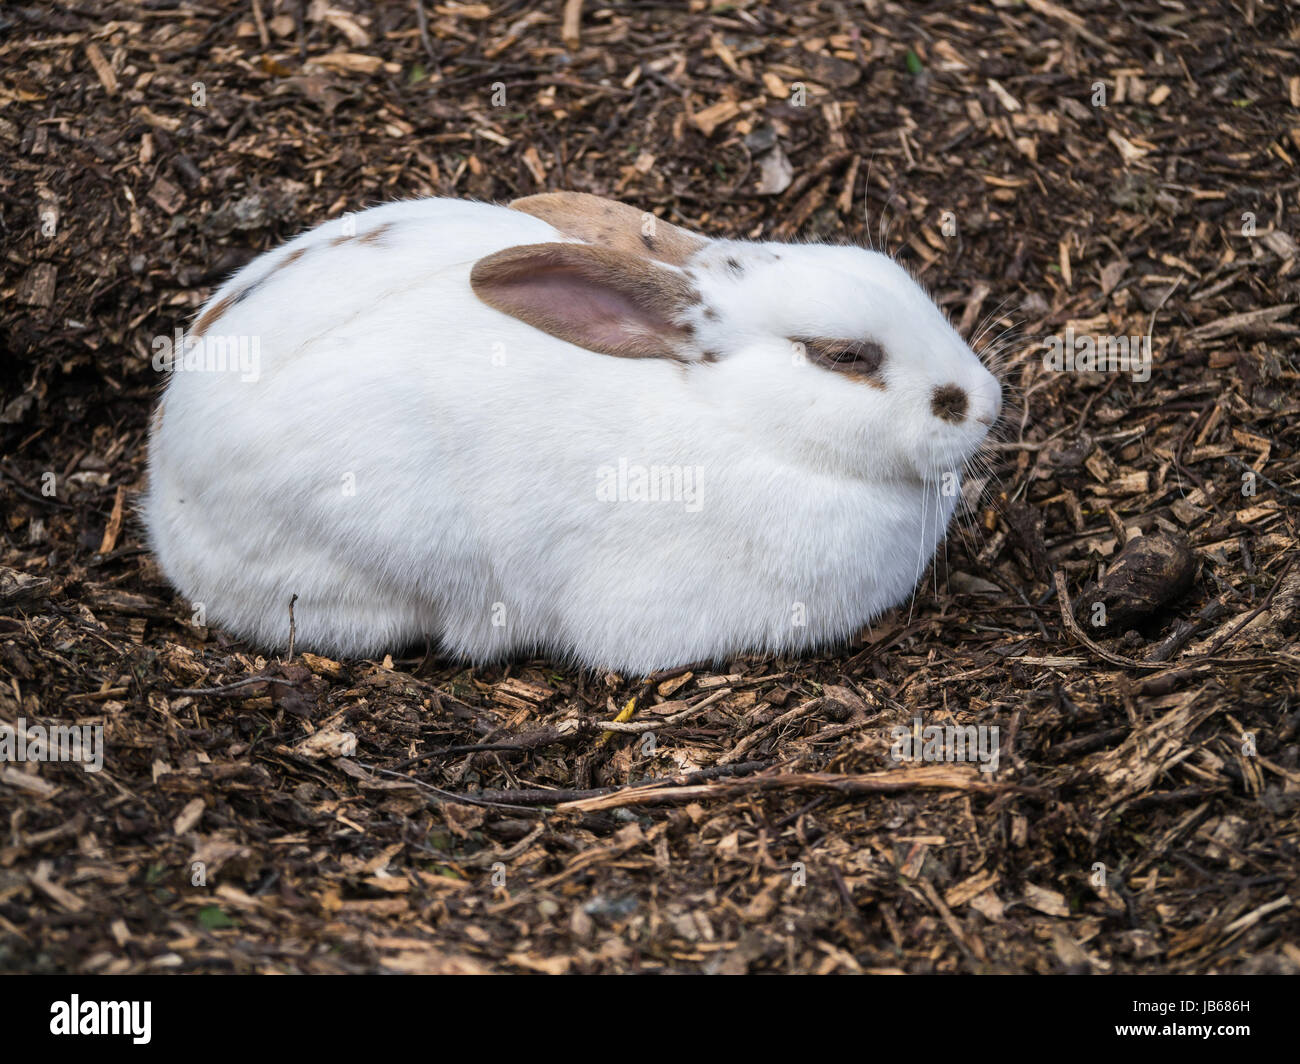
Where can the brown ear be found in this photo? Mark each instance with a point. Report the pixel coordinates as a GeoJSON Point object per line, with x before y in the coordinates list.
{"type": "Point", "coordinates": [594, 297]}
{"type": "Point", "coordinates": [611, 224]}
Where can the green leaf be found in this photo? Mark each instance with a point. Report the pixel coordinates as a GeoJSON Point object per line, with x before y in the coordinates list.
{"type": "Point", "coordinates": [914, 65]}
{"type": "Point", "coordinates": [213, 919]}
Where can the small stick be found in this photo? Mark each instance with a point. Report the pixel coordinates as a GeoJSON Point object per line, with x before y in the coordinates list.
{"type": "Point", "coordinates": [114, 527]}
{"type": "Point", "coordinates": [571, 31]}
{"type": "Point", "coordinates": [292, 629]}
{"type": "Point", "coordinates": [531, 741]}
{"type": "Point", "coordinates": [260, 19]}
{"type": "Point", "coordinates": [1184, 630]}
{"type": "Point", "coordinates": [755, 737]}
{"type": "Point", "coordinates": [554, 796]}
{"type": "Point", "coordinates": [226, 689]}
{"type": "Point", "coordinates": [625, 714]}
{"type": "Point", "coordinates": [891, 781]}
{"type": "Point", "coordinates": [448, 796]}
{"type": "Point", "coordinates": [1268, 601]}
{"type": "Point", "coordinates": [1271, 483]}
{"type": "Point", "coordinates": [422, 20]}
{"type": "Point", "coordinates": [622, 724]}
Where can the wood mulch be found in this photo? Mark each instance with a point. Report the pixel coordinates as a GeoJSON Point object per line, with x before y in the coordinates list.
{"type": "Point", "coordinates": [1114, 169]}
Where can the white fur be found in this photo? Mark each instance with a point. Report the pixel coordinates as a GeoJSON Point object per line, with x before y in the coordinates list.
{"type": "Point", "coordinates": [474, 443]}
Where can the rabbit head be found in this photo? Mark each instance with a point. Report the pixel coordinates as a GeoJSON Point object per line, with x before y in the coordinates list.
{"type": "Point", "coordinates": [835, 349]}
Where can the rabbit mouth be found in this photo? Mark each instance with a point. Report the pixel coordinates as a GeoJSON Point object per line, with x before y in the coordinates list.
{"type": "Point", "coordinates": [940, 465]}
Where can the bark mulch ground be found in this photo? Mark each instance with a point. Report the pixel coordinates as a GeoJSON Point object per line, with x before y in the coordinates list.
{"type": "Point", "coordinates": [1111, 169]}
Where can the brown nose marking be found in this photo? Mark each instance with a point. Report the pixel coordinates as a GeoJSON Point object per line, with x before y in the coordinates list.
{"type": "Point", "coordinates": [949, 403]}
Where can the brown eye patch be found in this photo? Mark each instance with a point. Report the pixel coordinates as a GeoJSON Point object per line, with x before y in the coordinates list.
{"type": "Point", "coordinates": [860, 358]}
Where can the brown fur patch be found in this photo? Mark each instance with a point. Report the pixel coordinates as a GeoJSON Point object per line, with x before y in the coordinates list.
{"type": "Point", "coordinates": [617, 226]}
{"type": "Point", "coordinates": [375, 235]}
{"type": "Point", "coordinates": [288, 260]}
{"type": "Point", "coordinates": [502, 280]}
{"type": "Point", "coordinates": [216, 310]}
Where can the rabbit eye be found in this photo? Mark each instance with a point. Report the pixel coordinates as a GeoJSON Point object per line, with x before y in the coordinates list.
{"type": "Point", "coordinates": [859, 357]}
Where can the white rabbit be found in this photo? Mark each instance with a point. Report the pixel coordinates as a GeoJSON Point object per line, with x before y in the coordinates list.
{"type": "Point", "coordinates": [563, 426]}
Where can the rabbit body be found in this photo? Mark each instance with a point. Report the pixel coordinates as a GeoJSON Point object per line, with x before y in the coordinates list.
{"type": "Point", "coordinates": [411, 463]}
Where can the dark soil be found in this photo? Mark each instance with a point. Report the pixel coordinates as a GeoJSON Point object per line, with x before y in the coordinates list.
{"type": "Point", "coordinates": [1145, 814]}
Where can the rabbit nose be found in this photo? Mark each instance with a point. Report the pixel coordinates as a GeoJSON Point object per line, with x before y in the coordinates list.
{"type": "Point", "coordinates": [949, 403]}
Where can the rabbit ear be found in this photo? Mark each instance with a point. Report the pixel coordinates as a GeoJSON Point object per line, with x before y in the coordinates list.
{"type": "Point", "coordinates": [595, 297]}
{"type": "Point", "coordinates": [608, 223]}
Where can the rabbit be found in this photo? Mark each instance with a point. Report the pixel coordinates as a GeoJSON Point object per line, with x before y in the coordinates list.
{"type": "Point", "coordinates": [563, 426]}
